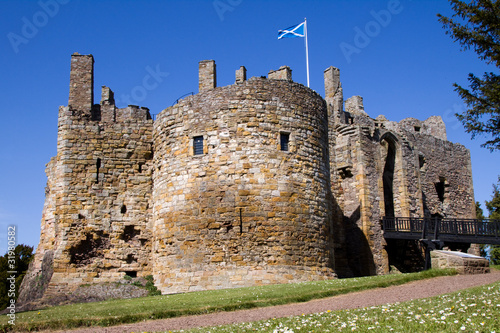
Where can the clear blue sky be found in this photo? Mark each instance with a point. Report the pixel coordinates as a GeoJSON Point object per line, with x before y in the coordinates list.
{"type": "Point", "coordinates": [404, 68]}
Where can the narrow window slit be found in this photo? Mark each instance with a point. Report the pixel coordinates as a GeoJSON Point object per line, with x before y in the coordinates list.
{"type": "Point", "coordinates": [97, 166]}
{"type": "Point", "coordinates": [241, 221]}
{"type": "Point", "coordinates": [284, 141]}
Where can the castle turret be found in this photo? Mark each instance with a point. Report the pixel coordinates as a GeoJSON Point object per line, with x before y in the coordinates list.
{"type": "Point", "coordinates": [240, 186]}
{"type": "Point", "coordinates": [81, 84]}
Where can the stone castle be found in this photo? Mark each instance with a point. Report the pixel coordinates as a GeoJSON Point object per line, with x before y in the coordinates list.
{"type": "Point", "coordinates": [260, 182]}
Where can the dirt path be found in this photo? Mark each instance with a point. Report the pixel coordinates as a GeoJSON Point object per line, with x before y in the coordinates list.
{"type": "Point", "coordinates": [406, 292]}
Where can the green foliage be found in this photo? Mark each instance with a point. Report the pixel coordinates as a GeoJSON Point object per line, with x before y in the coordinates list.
{"type": "Point", "coordinates": [495, 255]}
{"type": "Point", "coordinates": [22, 254]}
{"type": "Point", "coordinates": [137, 283]}
{"type": "Point", "coordinates": [479, 211]}
{"type": "Point", "coordinates": [476, 25]}
{"type": "Point", "coordinates": [494, 210]}
{"type": "Point", "coordinates": [122, 311]}
{"type": "Point", "coordinates": [494, 204]}
{"type": "Point", "coordinates": [150, 286]}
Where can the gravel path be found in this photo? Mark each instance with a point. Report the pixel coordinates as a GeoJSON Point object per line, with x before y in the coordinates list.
{"type": "Point", "coordinates": [406, 292]}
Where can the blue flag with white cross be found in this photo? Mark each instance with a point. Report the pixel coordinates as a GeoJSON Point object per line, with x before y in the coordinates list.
{"type": "Point", "coordinates": [292, 32]}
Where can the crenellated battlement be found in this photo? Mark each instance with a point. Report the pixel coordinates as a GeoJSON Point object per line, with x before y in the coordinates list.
{"type": "Point", "coordinates": [81, 96]}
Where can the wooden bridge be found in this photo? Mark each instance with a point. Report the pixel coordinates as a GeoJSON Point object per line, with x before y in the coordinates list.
{"type": "Point", "coordinates": [434, 232]}
{"type": "Point", "coordinates": [443, 229]}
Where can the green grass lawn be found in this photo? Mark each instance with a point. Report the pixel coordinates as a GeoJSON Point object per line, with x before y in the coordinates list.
{"type": "Point", "coordinates": [471, 310]}
{"type": "Point", "coordinates": [133, 310]}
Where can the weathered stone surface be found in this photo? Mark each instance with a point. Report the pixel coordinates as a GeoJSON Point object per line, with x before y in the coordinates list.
{"type": "Point", "coordinates": [259, 182]}
{"type": "Point", "coordinates": [464, 263]}
{"type": "Point", "coordinates": [284, 73]}
{"type": "Point", "coordinates": [244, 210]}
{"type": "Point", "coordinates": [81, 88]}
{"type": "Point", "coordinates": [207, 75]}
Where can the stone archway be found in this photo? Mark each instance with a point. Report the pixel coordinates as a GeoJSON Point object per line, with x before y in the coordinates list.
{"type": "Point", "coordinates": [391, 170]}
{"type": "Point", "coordinates": [388, 177]}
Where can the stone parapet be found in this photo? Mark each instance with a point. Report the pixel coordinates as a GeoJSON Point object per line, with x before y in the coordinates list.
{"type": "Point", "coordinates": [284, 73]}
{"type": "Point", "coordinates": [464, 263]}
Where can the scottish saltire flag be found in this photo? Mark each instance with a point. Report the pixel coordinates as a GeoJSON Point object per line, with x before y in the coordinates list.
{"type": "Point", "coordinates": [292, 32]}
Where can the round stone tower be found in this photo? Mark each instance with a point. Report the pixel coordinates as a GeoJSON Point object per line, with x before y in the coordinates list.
{"type": "Point", "coordinates": [240, 185]}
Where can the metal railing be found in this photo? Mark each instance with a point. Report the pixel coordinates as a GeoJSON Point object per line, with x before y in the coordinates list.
{"type": "Point", "coordinates": [445, 229]}
{"type": "Point", "coordinates": [185, 95]}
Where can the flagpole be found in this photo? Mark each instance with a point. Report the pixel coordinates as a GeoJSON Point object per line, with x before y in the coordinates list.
{"type": "Point", "coordinates": [307, 50]}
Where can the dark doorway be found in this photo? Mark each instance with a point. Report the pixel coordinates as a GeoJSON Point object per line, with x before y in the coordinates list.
{"type": "Point", "coordinates": [440, 188]}
{"type": "Point", "coordinates": [388, 179]}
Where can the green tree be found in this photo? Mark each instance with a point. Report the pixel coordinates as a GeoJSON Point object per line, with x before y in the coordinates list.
{"type": "Point", "coordinates": [22, 254]}
{"type": "Point", "coordinates": [479, 211]}
{"type": "Point", "coordinates": [494, 204]}
{"type": "Point", "coordinates": [476, 25]}
{"type": "Point", "coordinates": [493, 207]}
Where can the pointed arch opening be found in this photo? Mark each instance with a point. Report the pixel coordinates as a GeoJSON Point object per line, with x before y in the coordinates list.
{"type": "Point", "coordinates": [390, 175]}
{"type": "Point", "coordinates": [388, 179]}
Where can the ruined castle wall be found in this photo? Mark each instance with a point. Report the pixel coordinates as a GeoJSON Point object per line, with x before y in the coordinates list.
{"type": "Point", "coordinates": [340, 166]}
{"type": "Point", "coordinates": [357, 184]}
{"type": "Point", "coordinates": [243, 212]}
{"type": "Point", "coordinates": [438, 172]}
{"type": "Point", "coordinates": [96, 224]}
{"type": "Point", "coordinates": [256, 183]}
{"type": "Point", "coordinates": [395, 169]}
{"type": "Point", "coordinates": [446, 178]}
{"type": "Point", "coordinates": [103, 212]}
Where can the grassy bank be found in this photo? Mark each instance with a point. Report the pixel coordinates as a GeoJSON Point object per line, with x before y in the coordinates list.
{"type": "Point", "coordinates": [471, 310]}
{"type": "Point", "coordinates": [122, 311]}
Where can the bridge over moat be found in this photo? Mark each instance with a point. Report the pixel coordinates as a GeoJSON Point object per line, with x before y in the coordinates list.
{"type": "Point", "coordinates": [433, 233]}
{"type": "Point", "coordinates": [442, 229]}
